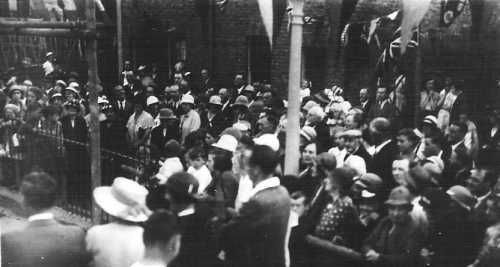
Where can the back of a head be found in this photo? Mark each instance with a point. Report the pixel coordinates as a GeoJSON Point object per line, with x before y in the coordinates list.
{"type": "Point", "coordinates": [344, 178]}
{"type": "Point", "coordinates": [172, 149]}
{"type": "Point", "coordinates": [264, 158]}
{"type": "Point", "coordinates": [39, 190]}
{"type": "Point", "coordinates": [327, 161]}
{"type": "Point", "coordinates": [381, 126]}
{"type": "Point", "coordinates": [160, 228]}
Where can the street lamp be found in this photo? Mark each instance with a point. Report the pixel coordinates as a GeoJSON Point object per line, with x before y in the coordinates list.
{"type": "Point", "coordinates": [292, 153]}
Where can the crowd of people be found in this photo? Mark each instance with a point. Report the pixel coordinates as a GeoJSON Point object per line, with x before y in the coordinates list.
{"type": "Point", "coordinates": [211, 190]}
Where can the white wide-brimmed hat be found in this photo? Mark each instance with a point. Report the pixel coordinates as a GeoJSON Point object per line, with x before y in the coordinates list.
{"type": "Point", "coordinates": [269, 140]}
{"type": "Point", "coordinates": [188, 99]}
{"type": "Point", "coordinates": [227, 142]}
{"type": "Point", "coordinates": [122, 198]}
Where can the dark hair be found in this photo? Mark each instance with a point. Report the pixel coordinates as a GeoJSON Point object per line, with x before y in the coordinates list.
{"type": "Point", "coordinates": [344, 178]}
{"type": "Point", "coordinates": [222, 160]}
{"type": "Point", "coordinates": [172, 149]}
{"type": "Point", "coordinates": [264, 158]}
{"type": "Point", "coordinates": [410, 134]}
{"type": "Point", "coordinates": [461, 126]}
{"type": "Point", "coordinates": [39, 190]}
{"type": "Point", "coordinates": [160, 228]}
{"type": "Point", "coordinates": [196, 152]}
{"type": "Point", "coordinates": [437, 138]}
{"type": "Point", "coordinates": [297, 195]}
{"type": "Point", "coordinates": [195, 139]}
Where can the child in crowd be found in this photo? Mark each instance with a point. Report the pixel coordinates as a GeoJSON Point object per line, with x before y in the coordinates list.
{"type": "Point", "coordinates": [197, 159]}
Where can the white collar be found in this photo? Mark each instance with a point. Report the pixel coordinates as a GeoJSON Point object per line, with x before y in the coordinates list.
{"type": "Point", "coordinates": [41, 216]}
{"type": "Point", "coordinates": [379, 147]}
{"type": "Point", "coordinates": [453, 147]}
{"type": "Point", "coordinates": [481, 198]}
{"type": "Point", "coordinates": [187, 211]}
{"type": "Point", "coordinates": [265, 184]}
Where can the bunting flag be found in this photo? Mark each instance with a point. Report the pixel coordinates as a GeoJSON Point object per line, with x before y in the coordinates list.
{"type": "Point", "coordinates": [266, 12]}
{"type": "Point", "coordinates": [413, 12]}
{"type": "Point", "coordinates": [450, 10]}
{"type": "Point", "coordinates": [13, 5]}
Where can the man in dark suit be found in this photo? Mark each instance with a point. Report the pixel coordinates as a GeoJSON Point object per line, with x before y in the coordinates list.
{"type": "Point", "coordinates": [256, 235]}
{"type": "Point", "coordinates": [167, 130]}
{"type": "Point", "coordinates": [121, 105]}
{"type": "Point", "coordinates": [44, 241]}
{"type": "Point", "coordinates": [382, 106]}
{"type": "Point", "coordinates": [205, 82]}
{"type": "Point", "coordinates": [179, 194]}
{"type": "Point", "coordinates": [354, 147]}
{"type": "Point", "coordinates": [364, 100]}
{"type": "Point", "coordinates": [213, 119]}
{"type": "Point", "coordinates": [386, 151]}
{"type": "Point", "coordinates": [456, 135]}
{"type": "Point", "coordinates": [74, 129]}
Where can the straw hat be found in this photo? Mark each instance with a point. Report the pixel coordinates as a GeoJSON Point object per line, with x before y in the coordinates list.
{"type": "Point", "coordinates": [152, 100]}
{"type": "Point", "coordinates": [241, 101]}
{"type": "Point", "coordinates": [227, 142]}
{"type": "Point", "coordinates": [166, 113]}
{"type": "Point", "coordinates": [121, 198]}
{"type": "Point", "coordinates": [308, 133]}
{"type": "Point", "coordinates": [215, 100]}
{"type": "Point", "coordinates": [187, 99]}
{"type": "Point", "coordinates": [269, 140]}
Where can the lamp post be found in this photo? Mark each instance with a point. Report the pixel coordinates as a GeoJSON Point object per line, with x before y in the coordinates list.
{"type": "Point", "coordinates": [292, 153]}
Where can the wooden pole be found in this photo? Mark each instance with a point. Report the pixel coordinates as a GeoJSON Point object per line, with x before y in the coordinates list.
{"type": "Point", "coordinates": [292, 153]}
{"type": "Point", "coordinates": [418, 79]}
{"type": "Point", "coordinates": [95, 142]}
{"type": "Point", "coordinates": [119, 36]}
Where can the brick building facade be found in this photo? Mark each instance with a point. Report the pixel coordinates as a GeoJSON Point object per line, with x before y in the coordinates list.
{"type": "Point", "coordinates": [232, 39]}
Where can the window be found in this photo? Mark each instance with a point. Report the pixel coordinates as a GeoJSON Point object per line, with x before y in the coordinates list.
{"type": "Point", "coordinates": [180, 49]}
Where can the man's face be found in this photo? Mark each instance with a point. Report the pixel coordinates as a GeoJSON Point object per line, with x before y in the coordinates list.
{"type": "Point", "coordinates": [455, 135]}
{"type": "Point", "coordinates": [204, 74]}
{"type": "Point", "coordinates": [351, 144]}
{"type": "Point", "coordinates": [127, 65]}
{"type": "Point", "coordinates": [430, 149]}
{"type": "Point", "coordinates": [381, 94]}
{"type": "Point", "coordinates": [224, 94]}
{"type": "Point", "coordinates": [363, 95]}
{"type": "Point", "coordinates": [120, 93]}
{"type": "Point", "coordinates": [16, 96]}
{"type": "Point", "coordinates": [430, 85]}
{"type": "Point", "coordinates": [339, 141]}
{"type": "Point", "coordinates": [268, 97]}
{"type": "Point", "coordinates": [309, 154]}
{"type": "Point", "coordinates": [265, 125]}
{"type": "Point", "coordinates": [298, 205]}
{"type": "Point", "coordinates": [404, 144]}
{"type": "Point", "coordinates": [476, 182]}
{"type": "Point", "coordinates": [177, 78]}
{"type": "Point", "coordinates": [400, 171]}
{"type": "Point", "coordinates": [493, 209]}
{"type": "Point", "coordinates": [150, 91]}
{"type": "Point", "coordinates": [398, 214]}
{"type": "Point", "coordinates": [238, 80]}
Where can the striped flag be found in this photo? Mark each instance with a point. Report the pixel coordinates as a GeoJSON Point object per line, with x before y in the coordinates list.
{"type": "Point", "coordinates": [13, 5]}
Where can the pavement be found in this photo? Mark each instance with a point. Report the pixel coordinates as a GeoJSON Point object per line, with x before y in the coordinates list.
{"type": "Point", "coordinates": [12, 217]}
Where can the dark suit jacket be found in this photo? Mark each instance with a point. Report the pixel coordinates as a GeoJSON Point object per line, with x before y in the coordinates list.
{"type": "Point", "coordinates": [45, 243]}
{"type": "Point", "coordinates": [158, 140]}
{"type": "Point", "coordinates": [388, 111]}
{"type": "Point", "coordinates": [256, 237]}
{"type": "Point", "coordinates": [216, 125]}
{"type": "Point", "coordinates": [361, 152]}
{"type": "Point", "coordinates": [78, 133]}
{"type": "Point", "coordinates": [123, 114]}
{"type": "Point", "coordinates": [382, 165]}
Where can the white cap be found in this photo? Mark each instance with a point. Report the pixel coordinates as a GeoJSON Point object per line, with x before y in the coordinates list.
{"type": "Point", "coordinates": [74, 85]}
{"type": "Point", "coordinates": [189, 99]}
{"type": "Point", "coordinates": [102, 100]}
{"type": "Point", "coordinates": [317, 111]}
{"type": "Point", "coordinates": [152, 100]}
{"type": "Point", "coordinates": [269, 140]}
{"type": "Point", "coordinates": [227, 142]}
{"type": "Point", "coordinates": [356, 163]}
{"type": "Point", "coordinates": [169, 167]}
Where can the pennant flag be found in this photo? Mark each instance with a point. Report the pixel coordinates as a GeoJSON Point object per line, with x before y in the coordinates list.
{"type": "Point", "coordinates": [450, 10]}
{"type": "Point", "coordinates": [266, 12]}
{"type": "Point", "coordinates": [13, 5]}
{"type": "Point", "coordinates": [413, 12]}
{"type": "Point", "coordinates": [69, 5]}
{"type": "Point", "coordinates": [394, 15]}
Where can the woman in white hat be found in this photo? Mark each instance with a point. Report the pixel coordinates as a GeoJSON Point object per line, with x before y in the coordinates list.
{"type": "Point", "coordinates": [119, 243]}
{"type": "Point", "coordinates": [190, 120]}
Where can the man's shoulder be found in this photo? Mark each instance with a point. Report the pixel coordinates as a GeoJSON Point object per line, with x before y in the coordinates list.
{"type": "Point", "coordinates": [277, 193]}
